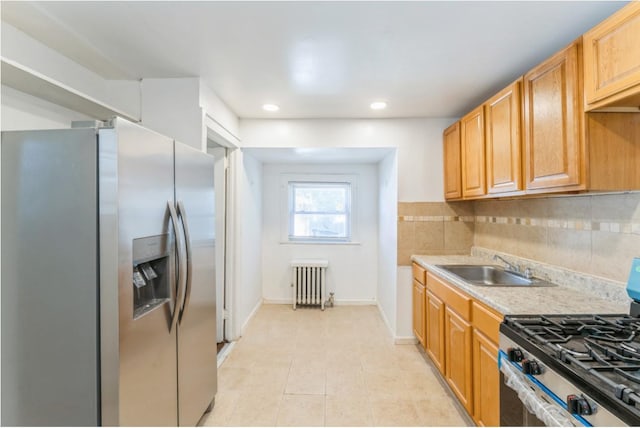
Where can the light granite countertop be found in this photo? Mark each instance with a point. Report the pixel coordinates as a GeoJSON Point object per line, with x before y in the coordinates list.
{"type": "Point", "coordinates": [525, 300]}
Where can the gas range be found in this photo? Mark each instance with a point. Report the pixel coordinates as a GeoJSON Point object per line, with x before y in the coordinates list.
{"type": "Point", "coordinates": [585, 369]}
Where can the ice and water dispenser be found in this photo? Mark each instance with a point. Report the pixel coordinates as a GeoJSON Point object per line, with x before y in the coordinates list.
{"type": "Point", "coordinates": [151, 273]}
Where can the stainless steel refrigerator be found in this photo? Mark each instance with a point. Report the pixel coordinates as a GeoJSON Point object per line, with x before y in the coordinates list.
{"type": "Point", "coordinates": [108, 278]}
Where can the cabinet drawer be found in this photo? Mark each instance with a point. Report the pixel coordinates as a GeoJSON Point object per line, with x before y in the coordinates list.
{"type": "Point", "coordinates": [486, 320]}
{"type": "Point", "coordinates": [456, 300]}
{"type": "Point", "coordinates": [419, 273]}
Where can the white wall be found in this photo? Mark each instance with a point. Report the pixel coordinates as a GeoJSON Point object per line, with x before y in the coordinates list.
{"type": "Point", "coordinates": [404, 306]}
{"type": "Point", "coordinates": [248, 230]}
{"type": "Point", "coordinates": [416, 177]}
{"type": "Point", "coordinates": [183, 108]}
{"type": "Point", "coordinates": [23, 111]}
{"type": "Point", "coordinates": [352, 272]}
{"type": "Point", "coordinates": [216, 109]}
{"type": "Point", "coordinates": [388, 233]}
{"type": "Point", "coordinates": [419, 144]}
{"type": "Point", "coordinates": [29, 52]}
{"type": "Point", "coordinates": [171, 107]}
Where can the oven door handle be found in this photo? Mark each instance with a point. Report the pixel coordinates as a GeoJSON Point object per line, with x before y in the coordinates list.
{"type": "Point", "coordinates": [550, 414]}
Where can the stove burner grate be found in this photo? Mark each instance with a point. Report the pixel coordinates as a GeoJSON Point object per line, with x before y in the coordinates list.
{"type": "Point", "coordinates": [605, 347]}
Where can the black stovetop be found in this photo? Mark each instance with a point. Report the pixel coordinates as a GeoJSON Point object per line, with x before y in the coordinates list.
{"type": "Point", "coordinates": [599, 353]}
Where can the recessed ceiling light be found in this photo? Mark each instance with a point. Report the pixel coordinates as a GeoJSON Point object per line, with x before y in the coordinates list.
{"type": "Point", "coordinates": [378, 105]}
{"type": "Point", "coordinates": [270, 107]}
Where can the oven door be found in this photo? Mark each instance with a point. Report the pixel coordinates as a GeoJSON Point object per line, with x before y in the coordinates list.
{"type": "Point", "coordinates": [526, 402]}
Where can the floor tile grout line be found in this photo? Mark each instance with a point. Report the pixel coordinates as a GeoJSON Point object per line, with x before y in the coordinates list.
{"type": "Point", "coordinates": [371, 345]}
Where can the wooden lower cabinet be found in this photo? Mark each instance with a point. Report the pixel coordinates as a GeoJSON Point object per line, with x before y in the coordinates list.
{"type": "Point", "coordinates": [461, 337]}
{"type": "Point", "coordinates": [435, 330]}
{"type": "Point", "coordinates": [486, 381]}
{"type": "Point", "coordinates": [458, 357]}
{"type": "Point", "coordinates": [419, 321]}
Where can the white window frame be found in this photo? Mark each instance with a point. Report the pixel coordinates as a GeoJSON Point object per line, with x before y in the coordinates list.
{"type": "Point", "coordinates": [293, 185]}
{"type": "Point", "coordinates": [318, 179]}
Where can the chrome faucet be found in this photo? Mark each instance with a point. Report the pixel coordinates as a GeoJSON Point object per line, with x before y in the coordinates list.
{"type": "Point", "coordinates": [510, 266]}
{"type": "Point", "coordinates": [528, 273]}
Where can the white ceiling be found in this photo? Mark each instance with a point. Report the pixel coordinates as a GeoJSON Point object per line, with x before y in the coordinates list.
{"type": "Point", "coordinates": [319, 155]}
{"type": "Point", "coordinates": [317, 59]}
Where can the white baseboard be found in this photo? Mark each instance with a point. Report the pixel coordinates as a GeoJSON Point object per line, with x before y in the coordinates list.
{"type": "Point", "coordinates": [250, 317]}
{"type": "Point", "coordinates": [277, 302]}
{"type": "Point", "coordinates": [347, 302]}
{"type": "Point", "coordinates": [405, 340]}
{"type": "Point", "coordinates": [398, 340]}
{"type": "Point", "coordinates": [337, 302]}
{"type": "Point", "coordinates": [386, 321]}
{"type": "Point", "coordinates": [224, 353]}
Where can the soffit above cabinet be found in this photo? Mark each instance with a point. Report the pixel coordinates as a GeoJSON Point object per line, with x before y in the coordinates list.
{"type": "Point", "coordinates": [31, 82]}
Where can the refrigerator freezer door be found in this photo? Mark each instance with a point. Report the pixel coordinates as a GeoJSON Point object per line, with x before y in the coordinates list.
{"type": "Point", "coordinates": [49, 284]}
{"type": "Point", "coordinates": [197, 376]}
{"type": "Point", "coordinates": [139, 367]}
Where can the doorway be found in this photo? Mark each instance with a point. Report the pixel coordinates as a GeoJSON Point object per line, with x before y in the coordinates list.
{"type": "Point", "coordinates": [221, 171]}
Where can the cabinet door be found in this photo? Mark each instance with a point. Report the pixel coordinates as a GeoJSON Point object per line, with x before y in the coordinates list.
{"type": "Point", "coordinates": [435, 330]}
{"type": "Point", "coordinates": [554, 145]}
{"type": "Point", "coordinates": [419, 321]}
{"type": "Point", "coordinates": [458, 357]}
{"type": "Point", "coordinates": [503, 141]}
{"type": "Point", "coordinates": [472, 143]}
{"type": "Point", "coordinates": [612, 60]}
{"type": "Point", "coordinates": [452, 162]}
{"type": "Point", "coordinates": [486, 381]}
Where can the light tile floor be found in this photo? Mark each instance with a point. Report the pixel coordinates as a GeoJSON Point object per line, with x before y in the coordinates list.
{"type": "Point", "coordinates": [333, 368]}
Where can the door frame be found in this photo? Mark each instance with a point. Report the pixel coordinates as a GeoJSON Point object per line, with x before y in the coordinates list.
{"type": "Point", "coordinates": [218, 136]}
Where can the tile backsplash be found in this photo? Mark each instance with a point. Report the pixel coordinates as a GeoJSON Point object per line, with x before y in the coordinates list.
{"type": "Point", "coordinates": [434, 228]}
{"type": "Point", "coordinates": [595, 234]}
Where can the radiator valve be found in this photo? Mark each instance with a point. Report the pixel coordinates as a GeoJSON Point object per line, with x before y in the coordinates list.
{"type": "Point", "coordinates": [330, 299]}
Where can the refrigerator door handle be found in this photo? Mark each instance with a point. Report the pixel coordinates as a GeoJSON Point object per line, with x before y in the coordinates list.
{"type": "Point", "coordinates": [185, 226]}
{"type": "Point", "coordinates": [181, 261]}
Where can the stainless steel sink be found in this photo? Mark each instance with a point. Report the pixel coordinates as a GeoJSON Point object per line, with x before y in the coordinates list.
{"type": "Point", "coordinates": [495, 276]}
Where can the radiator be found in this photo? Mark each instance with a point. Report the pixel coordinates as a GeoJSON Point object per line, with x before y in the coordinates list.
{"type": "Point", "coordinates": [309, 282]}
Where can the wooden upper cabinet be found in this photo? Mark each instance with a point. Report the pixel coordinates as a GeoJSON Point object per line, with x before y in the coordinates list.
{"type": "Point", "coordinates": [613, 140]}
{"type": "Point", "coordinates": [503, 140]}
{"type": "Point", "coordinates": [473, 161]}
{"type": "Point", "coordinates": [554, 146]}
{"type": "Point", "coordinates": [612, 60]}
{"type": "Point", "coordinates": [452, 162]}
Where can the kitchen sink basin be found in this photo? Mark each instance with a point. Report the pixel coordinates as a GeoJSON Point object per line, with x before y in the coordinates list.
{"type": "Point", "coordinates": [494, 276]}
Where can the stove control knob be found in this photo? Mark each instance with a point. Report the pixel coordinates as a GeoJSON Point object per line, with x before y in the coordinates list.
{"type": "Point", "coordinates": [580, 405]}
{"type": "Point", "coordinates": [531, 367]}
{"type": "Point", "coordinates": [515, 354]}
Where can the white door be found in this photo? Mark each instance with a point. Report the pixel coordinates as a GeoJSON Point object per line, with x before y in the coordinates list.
{"type": "Point", "coordinates": [220, 158]}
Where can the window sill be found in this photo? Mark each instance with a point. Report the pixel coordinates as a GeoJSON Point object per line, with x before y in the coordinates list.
{"type": "Point", "coordinates": [319, 243]}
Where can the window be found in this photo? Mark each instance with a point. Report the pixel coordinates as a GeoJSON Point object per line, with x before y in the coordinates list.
{"type": "Point", "coordinates": [319, 211]}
